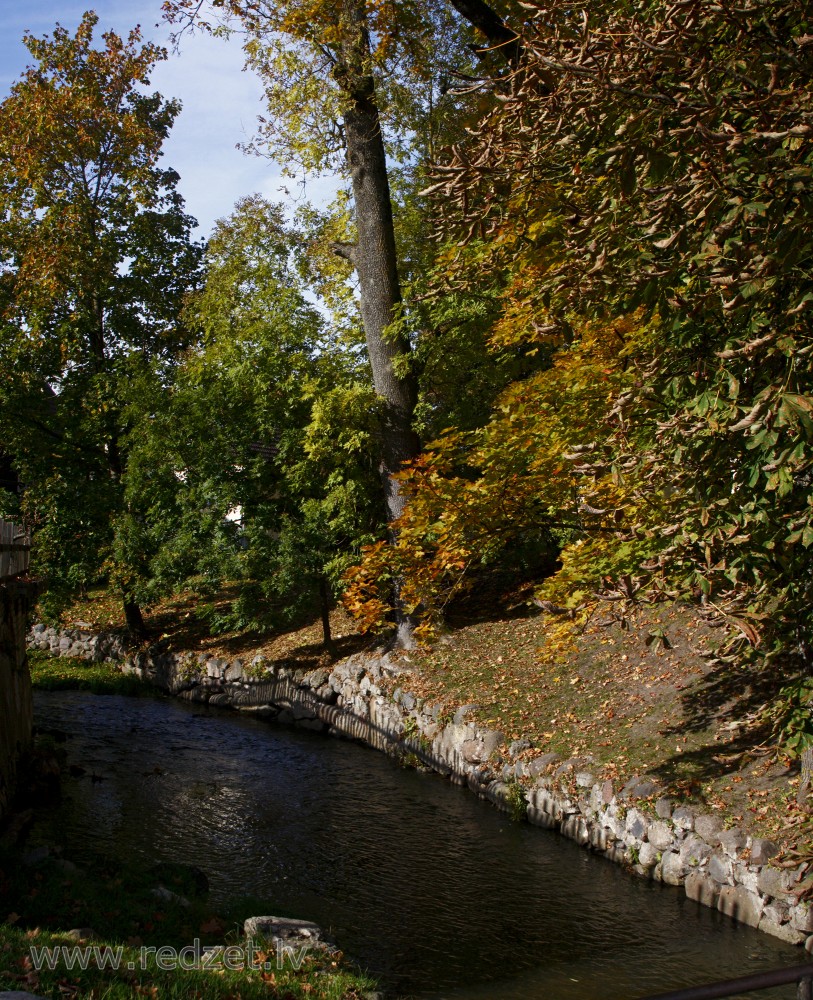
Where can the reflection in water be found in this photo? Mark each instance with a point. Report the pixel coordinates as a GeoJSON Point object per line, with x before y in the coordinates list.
{"type": "Point", "coordinates": [435, 892]}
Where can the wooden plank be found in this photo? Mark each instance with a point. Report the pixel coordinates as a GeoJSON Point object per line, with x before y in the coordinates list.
{"type": "Point", "coordinates": [15, 550]}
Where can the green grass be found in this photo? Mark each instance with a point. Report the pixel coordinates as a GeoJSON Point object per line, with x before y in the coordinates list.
{"type": "Point", "coordinates": [52, 673]}
{"type": "Point", "coordinates": [316, 979]}
{"type": "Point", "coordinates": [48, 899]}
{"type": "Point", "coordinates": [634, 705]}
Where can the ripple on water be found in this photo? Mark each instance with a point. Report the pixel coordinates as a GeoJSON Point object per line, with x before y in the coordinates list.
{"type": "Point", "coordinates": [429, 888]}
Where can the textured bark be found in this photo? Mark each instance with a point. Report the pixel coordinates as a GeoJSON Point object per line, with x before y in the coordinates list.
{"type": "Point", "coordinates": [16, 714]}
{"type": "Point", "coordinates": [375, 259]}
{"type": "Point", "coordinates": [132, 610]}
{"type": "Point", "coordinates": [324, 607]}
{"type": "Point", "coordinates": [374, 256]}
{"type": "Point", "coordinates": [134, 618]}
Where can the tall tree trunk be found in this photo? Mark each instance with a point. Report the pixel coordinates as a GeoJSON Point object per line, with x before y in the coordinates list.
{"type": "Point", "coordinates": [134, 618]}
{"type": "Point", "coordinates": [375, 256]}
{"type": "Point", "coordinates": [132, 610]}
{"type": "Point", "coordinates": [376, 263]}
{"type": "Point", "coordinates": [324, 606]}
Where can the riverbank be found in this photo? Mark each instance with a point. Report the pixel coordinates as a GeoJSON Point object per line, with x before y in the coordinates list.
{"type": "Point", "coordinates": [622, 792]}
{"type": "Point", "coordinates": [101, 926]}
{"type": "Point", "coordinates": [644, 696]}
{"type": "Point", "coordinates": [159, 939]}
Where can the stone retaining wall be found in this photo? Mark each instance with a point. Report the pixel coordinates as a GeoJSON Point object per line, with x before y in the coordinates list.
{"type": "Point", "coordinates": [366, 697]}
{"type": "Point", "coordinates": [104, 647]}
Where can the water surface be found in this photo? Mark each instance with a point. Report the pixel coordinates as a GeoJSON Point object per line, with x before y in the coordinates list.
{"type": "Point", "coordinates": [433, 891]}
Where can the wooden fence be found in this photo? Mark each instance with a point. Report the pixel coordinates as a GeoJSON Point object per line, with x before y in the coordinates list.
{"type": "Point", "coordinates": [15, 550]}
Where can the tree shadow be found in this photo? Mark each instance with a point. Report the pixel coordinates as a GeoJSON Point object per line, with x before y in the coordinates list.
{"type": "Point", "coordinates": [728, 693]}
{"type": "Point", "coordinates": [732, 699]}
{"type": "Point", "coordinates": [298, 642]}
{"type": "Point", "coordinates": [339, 649]}
{"type": "Point", "coordinates": [493, 597]}
{"type": "Point", "coordinates": [690, 769]}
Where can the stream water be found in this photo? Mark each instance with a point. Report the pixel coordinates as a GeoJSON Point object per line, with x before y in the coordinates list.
{"type": "Point", "coordinates": [433, 891]}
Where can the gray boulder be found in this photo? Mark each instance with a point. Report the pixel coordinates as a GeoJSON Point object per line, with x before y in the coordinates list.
{"type": "Point", "coordinates": [661, 836]}
{"type": "Point", "coordinates": [702, 888]}
{"type": "Point", "coordinates": [672, 869]}
{"type": "Point", "coordinates": [708, 827]}
{"type": "Point", "coordinates": [287, 932]}
{"type": "Point", "coordinates": [739, 903]}
{"type": "Point", "coordinates": [762, 851]}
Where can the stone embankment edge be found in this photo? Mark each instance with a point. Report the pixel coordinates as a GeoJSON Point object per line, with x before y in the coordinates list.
{"type": "Point", "coordinates": [366, 697]}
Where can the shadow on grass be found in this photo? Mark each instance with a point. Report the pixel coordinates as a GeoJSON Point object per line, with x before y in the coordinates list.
{"type": "Point", "coordinates": [188, 627]}
{"type": "Point", "coordinates": [729, 694]}
{"type": "Point", "coordinates": [494, 598]}
{"type": "Point", "coordinates": [728, 699]}
{"type": "Point", "coordinates": [304, 656]}
{"type": "Point", "coordinates": [690, 769]}
{"type": "Point", "coordinates": [316, 653]}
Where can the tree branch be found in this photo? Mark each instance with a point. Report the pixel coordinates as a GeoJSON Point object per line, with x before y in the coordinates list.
{"type": "Point", "coordinates": [345, 250]}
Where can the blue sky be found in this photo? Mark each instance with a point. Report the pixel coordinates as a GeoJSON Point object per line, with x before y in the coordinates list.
{"type": "Point", "coordinates": [220, 101]}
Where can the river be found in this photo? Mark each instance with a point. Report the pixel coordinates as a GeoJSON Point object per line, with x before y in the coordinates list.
{"type": "Point", "coordinates": [434, 892]}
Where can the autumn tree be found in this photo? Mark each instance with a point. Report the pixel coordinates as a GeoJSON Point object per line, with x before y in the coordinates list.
{"type": "Point", "coordinates": [318, 62]}
{"type": "Point", "coordinates": [332, 72]}
{"type": "Point", "coordinates": [95, 260]}
{"type": "Point", "coordinates": [651, 166]}
{"type": "Point", "coordinates": [502, 496]}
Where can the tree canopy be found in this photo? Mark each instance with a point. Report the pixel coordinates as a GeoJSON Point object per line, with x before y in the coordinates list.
{"type": "Point", "coordinates": [96, 258]}
{"type": "Point", "coordinates": [560, 308]}
{"type": "Point", "coordinates": [646, 173]}
{"type": "Point", "coordinates": [266, 440]}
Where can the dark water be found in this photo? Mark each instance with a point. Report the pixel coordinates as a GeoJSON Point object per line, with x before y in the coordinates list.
{"type": "Point", "coordinates": [433, 891]}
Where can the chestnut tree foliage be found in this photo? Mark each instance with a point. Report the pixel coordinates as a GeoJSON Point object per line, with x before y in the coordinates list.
{"type": "Point", "coordinates": [639, 198]}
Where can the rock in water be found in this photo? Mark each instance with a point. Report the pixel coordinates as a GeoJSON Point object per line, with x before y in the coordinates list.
{"type": "Point", "coordinates": [287, 932]}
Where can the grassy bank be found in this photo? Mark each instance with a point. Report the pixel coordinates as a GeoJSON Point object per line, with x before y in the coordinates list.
{"type": "Point", "coordinates": [188, 622]}
{"type": "Point", "coordinates": [138, 975]}
{"type": "Point", "coordinates": [127, 913]}
{"type": "Point", "coordinates": [642, 697]}
{"type": "Point", "coordinates": [51, 673]}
